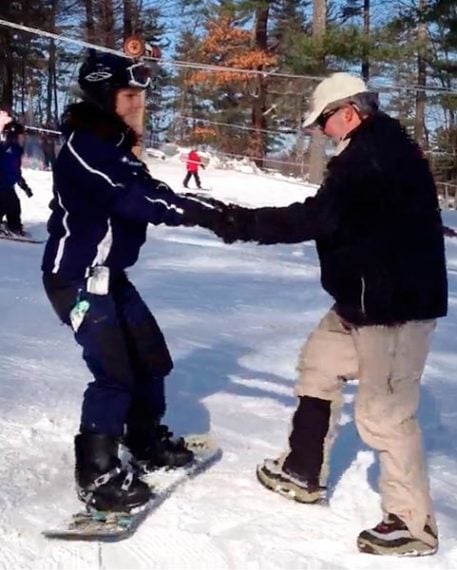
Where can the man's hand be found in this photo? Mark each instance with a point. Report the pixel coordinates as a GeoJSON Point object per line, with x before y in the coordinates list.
{"type": "Point", "coordinates": [227, 221]}
{"type": "Point", "coordinates": [4, 120]}
{"type": "Point", "coordinates": [237, 223]}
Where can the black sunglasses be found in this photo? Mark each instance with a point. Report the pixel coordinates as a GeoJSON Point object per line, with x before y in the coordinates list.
{"type": "Point", "coordinates": [321, 121]}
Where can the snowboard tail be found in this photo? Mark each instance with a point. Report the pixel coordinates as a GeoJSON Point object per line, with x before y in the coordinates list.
{"type": "Point", "coordinates": [24, 239]}
{"type": "Point", "coordinates": [115, 526]}
{"type": "Point", "coordinates": [7, 234]}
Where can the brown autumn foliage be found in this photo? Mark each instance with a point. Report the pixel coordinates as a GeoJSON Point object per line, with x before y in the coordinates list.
{"type": "Point", "coordinates": [203, 133]}
{"type": "Point", "coordinates": [228, 45]}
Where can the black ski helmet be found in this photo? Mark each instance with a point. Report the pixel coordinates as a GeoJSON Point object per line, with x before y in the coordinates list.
{"type": "Point", "coordinates": [102, 74]}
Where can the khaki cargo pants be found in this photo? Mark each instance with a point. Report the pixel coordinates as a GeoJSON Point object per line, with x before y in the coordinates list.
{"type": "Point", "coordinates": [388, 361]}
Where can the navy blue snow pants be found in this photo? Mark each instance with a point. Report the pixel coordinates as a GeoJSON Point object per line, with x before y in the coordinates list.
{"type": "Point", "coordinates": [10, 207]}
{"type": "Point", "coordinates": [123, 348]}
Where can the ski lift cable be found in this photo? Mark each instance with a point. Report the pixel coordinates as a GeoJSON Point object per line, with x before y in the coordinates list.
{"type": "Point", "coordinates": [217, 152]}
{"type": "Point", "coordinates": [235, 126]}
{"type": "Point", "coordinates": [59, 133]}
{"type": "Point", "coordinates": [173, 62]}
{"type": "Point", "coordinates": [215, 68]}
{"type": "Point", "coordinates": [269, 159]}
{"type": "Point", "coordinates": [42, 130]}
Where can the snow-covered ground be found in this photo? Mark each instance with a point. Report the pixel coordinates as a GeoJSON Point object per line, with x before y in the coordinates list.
{"type": "Point", "coordinates": [235, 317]}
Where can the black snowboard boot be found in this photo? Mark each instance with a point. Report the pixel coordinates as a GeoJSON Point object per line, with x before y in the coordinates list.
{"type": "Point", "coordinates": [152, 446]}
{"type": "Point", "coordinates": [102, 483]}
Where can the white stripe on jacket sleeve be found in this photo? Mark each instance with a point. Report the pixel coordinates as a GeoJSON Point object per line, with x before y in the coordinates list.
{"type": "Point", "coordinates": [63, 239]}
{"type": "Point", "coordinates": [87, 166]}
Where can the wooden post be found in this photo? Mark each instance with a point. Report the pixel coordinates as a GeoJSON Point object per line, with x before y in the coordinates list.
{"type": "Point", "coordinates": [135, 47]}
{"type": "Point", "coordinates": [317, 145]}
{"type": "Point", "coordinates": [422, 37]}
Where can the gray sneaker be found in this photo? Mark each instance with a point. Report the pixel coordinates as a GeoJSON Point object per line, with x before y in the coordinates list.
{"type": "Point", "coordinates": [272, 476]}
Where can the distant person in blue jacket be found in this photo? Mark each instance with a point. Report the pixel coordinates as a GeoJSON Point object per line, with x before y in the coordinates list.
{"type": "Point", "coordinates": [104, 199]}
{"type": "Point", "coordinates": [11, 151]}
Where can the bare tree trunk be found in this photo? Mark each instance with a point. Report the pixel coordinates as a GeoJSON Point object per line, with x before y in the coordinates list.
{"type": "Point", "coordinates": [137, 119]}
{"type": "Point", "coordinates": [107, 22]}
{"type": "Point", "coordinates": [51, 79]}
{"type": "Point", "coordinates": [300, 145]}
{"type": "Point", "coordinates": [366, 33]}
{"type": "Point", "coordinates": [257, 144]}
{"type": "Point", "coordinates": [23, 87]}
{"type": "Point", "coordinates": [128, 19]}
{"type": "Point", "coordinates": [55, 122]}
{"type": "Point", "coordinates": [317, 145]}
{"type": "Point", "coordinates": [6, 69]}
{"type": "Point", "coordinates": [90, 24]}
{"type": "Point", "coordinates": [419, 125]}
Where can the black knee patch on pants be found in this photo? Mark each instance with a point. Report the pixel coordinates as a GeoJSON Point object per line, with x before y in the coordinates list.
{"type": "Point", "coordinates": [310, 426]}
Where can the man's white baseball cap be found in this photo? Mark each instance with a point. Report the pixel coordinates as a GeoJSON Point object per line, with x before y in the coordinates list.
{"type": "Point", "coordinates": [338, 88]}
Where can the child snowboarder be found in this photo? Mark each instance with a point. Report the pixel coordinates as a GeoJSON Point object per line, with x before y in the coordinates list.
{"type": "Point", "coordinates": [11, 151]}
{"type": "Point", "coordinates": [104, 198]}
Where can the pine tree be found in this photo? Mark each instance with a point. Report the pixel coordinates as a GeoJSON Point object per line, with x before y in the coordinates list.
{"type": "Point", "coordinates": [21, 54]}
{"type": "Point", "coordinates": [290, 24]}
{"type": "Point", "coordinates": [362, 8]}
{"type": "Point", "coordinates": [442, 23]}
{"type": "Point", "coordinates": [186, 106]}
{"type": "Point", "coordinates": [235, 95]}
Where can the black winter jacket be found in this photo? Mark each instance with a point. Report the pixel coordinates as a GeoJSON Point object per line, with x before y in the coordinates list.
{"type": "Point", "coordinates": [377, 228]}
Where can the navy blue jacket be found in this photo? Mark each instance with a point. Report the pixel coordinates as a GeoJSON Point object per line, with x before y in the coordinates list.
{"type": "Point", "coordinates": [10, 164]}
{"type": "Point", "coordinates": [104, 198]}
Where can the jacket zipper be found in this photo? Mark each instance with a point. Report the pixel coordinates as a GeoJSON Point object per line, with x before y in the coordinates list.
{"type": "Point", "coordinates": [362, 296]}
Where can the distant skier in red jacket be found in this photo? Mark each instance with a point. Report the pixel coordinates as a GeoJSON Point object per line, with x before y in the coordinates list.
{"type": "Point", "coordinates": [192, 164]}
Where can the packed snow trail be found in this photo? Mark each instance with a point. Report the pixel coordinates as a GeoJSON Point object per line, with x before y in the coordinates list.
{"type": "Point", "coordinates": [235, 317]}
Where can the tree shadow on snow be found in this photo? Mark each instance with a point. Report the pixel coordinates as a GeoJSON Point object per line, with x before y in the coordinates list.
{"type": "Point", "coordinates": [37, 230]}
{"type": "Point", "coordinates": [208, 371]}
{"type": "Point", "coordinates": [204, 372]}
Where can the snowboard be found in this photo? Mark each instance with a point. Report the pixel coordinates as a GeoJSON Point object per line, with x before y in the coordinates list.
{"type": "Point", "coordinates": [112, 527]}
{"type": "Point", "coordinates": [24, 239]}
{"type": "Point", "coordinates": [6, 234]}
{"type": "Point", "coordinates": [197, 190]}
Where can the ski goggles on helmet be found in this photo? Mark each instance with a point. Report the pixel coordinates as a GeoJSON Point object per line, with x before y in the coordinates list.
{"type": "Point", "coordinates": [138, 75]}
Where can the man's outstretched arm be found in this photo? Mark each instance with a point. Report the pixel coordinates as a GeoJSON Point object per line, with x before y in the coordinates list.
{"type": "Point", "coordinates": [315, 218]}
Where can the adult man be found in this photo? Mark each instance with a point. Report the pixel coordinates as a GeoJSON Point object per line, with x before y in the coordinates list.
{"type": "Point", "coordinates": [104, 198]}
{"type": "Point", "coordinates": [379, 237]}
